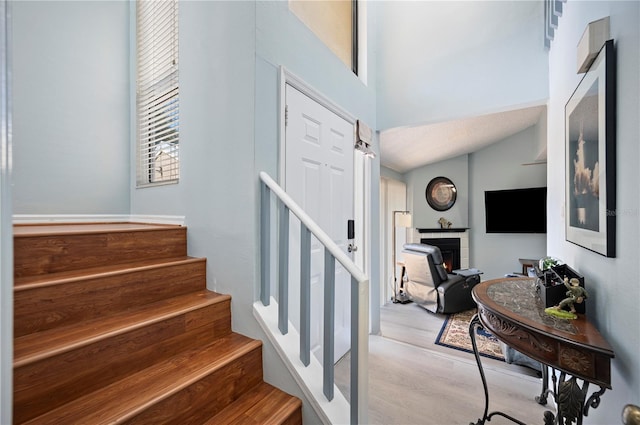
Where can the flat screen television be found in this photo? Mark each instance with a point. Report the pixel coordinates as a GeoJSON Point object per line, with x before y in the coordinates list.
{"type": "Point", "coordinates": [516, 210]}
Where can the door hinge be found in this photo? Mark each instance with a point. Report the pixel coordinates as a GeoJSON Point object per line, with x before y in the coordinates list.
{"type": "Point", "coordinates": [286, 115]}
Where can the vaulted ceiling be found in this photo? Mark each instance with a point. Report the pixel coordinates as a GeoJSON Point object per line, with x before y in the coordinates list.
{"type": "Point", "coordinates": [403, 149]}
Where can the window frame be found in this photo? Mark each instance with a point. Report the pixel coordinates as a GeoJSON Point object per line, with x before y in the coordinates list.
{"type": "Point", "coordinates": [354, 36]}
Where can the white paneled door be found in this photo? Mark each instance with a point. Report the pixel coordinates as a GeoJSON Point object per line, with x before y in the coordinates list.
{"type": "Point", "coordinates": [319, 177]}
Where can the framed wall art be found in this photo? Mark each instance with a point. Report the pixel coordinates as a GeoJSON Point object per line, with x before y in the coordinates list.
{"type": "Point", "coordinates": [590, 125]}
{"type": "Point", "coordinates": [441, 193]}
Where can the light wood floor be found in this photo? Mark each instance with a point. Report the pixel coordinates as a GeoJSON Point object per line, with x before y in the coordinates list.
{"type": "Point", "coordinates": [414, 381]}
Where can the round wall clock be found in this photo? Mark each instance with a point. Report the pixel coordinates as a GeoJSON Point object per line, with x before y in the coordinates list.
{"type": "Point", "coordinates": [441, 193]}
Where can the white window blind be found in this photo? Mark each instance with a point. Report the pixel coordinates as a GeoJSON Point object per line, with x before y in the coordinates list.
{"type": "Point", "coordinates": [157, 92]}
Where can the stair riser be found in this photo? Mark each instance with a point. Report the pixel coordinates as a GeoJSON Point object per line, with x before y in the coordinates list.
{"type": "Point", "coordinates": [52, 306]}
{"type": "Point", "coordinates": [295, 418]}
{"type": "Point", "coordinates": [37, 255]}
{"type": "Point", "coordinates": [51, 382]}
{"type": "Point", "coordinates": [208, 396]}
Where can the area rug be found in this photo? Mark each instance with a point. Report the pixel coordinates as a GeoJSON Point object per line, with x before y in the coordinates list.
{"type": "Point", "coordinates": [455, 334]}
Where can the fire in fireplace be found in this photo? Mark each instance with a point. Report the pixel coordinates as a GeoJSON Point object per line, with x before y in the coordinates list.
{"type": "Point", "coordinates": [450, 249]}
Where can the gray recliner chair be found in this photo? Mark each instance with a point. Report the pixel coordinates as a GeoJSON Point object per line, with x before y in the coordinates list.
{"type": "Point", "coordinates": [430, 286]}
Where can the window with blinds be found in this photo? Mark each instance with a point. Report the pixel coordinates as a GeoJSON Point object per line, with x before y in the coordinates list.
{"type": "Point", "coordinates": [157, 96]}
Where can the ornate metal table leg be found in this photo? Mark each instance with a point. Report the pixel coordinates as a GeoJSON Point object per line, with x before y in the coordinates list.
{"type": "Point", "coordinates": [542, 398]}
{"type": "Point", "coordinates": [572, 401]}
{"type": "Point", "coordinates": [473, 326]}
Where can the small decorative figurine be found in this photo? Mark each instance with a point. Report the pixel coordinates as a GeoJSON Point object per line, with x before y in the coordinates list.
{"type": "Point", "coordinates": [549, 262]}
{"type": "Point", "coordinates": [444, 223]}
{"type": "Point", "coordinates": [575, 294]}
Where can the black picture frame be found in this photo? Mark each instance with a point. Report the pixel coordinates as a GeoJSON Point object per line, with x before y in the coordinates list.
{"type": "Point", "coordinates": [441, 193]}
{"type": "Point", "coordinates": [590, 171]}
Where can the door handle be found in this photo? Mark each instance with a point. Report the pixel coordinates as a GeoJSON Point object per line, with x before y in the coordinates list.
{"type": "Point", "coordinates": [351, 234]}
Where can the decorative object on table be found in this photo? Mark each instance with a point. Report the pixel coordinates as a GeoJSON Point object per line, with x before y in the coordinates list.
{"type": "Point", "coordinates": [400, 219]}
{"type": "Point", "coordinates": [444, 223]}
{"type": "Point", "coordinates": [590, 122]}
{"type": "Point", "coordinates": [560, 314]}
{"type": "Point", "coordinates": [455, 334]}
{"type": "Point", "coordinates": [548, 262]}
{"type": "Point", "coordinates": [576, 294]}
{"type": "Point", "coordinates": [441, 193]}
{"type": "Point", "coordinates": [551, 286]}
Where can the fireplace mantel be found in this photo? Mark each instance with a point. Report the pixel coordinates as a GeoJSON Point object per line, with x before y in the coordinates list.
{"type": "Point", "coordinates": [458, 232]}
{"type": "Point", "coordinates": [441, 230]}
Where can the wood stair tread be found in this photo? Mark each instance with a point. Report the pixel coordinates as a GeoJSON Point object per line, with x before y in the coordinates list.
{"type": "Point", "coordinates": [31, 230]}
{"type": "Point", "coordinates": [50, 279]}
{"type": "Point", "coordinates": [150, 385]}
{"type": "Point", "coordinates": [39, 345]}
{"type": "Point", "coordinates": [264, 405]}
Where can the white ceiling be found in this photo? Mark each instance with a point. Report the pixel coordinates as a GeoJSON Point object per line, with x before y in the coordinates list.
{"type": "Point", "coordinates": [406, 148]}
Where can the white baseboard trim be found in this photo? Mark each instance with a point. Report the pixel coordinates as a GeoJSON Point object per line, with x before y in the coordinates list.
{"type": "Point", "coordinates": [178, 220]}
{"type": "Point", "coordinates": [97, 218]}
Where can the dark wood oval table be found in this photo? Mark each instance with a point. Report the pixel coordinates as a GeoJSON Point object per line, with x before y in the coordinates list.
{"type": "Point", "coordinates": [511, 309]}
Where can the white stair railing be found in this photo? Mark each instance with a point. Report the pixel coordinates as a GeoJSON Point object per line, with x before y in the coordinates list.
{"type": "Point", "coordinates": [359, 306]}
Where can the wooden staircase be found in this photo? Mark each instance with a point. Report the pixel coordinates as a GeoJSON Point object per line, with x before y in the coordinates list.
{"type": "Point", "coordinates": [113, 324]}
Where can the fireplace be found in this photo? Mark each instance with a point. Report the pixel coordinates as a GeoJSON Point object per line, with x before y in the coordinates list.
{"type": "Point", "coordinates": [450, 249]}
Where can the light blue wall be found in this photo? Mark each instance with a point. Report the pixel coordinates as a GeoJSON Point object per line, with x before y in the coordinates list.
{"type": "Point", "coordinates": [282, 39]}
{"type": "Point", "coordinates": [216, 192]}
{"type": "Point", "coordinates": [612, 282]}
{"type": "Point", "coordinates": [391, 174]}
{"type": "Point", "coordinates": [70, 107]}
{"type": "Point", "coordinates": [496, 167]}
{"type": "Point", "coordinates": [216, 187]}
{"type": "Point", "coordinates": [455, 169]}
{"type": "Point", "coordinates": [439, 60]}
